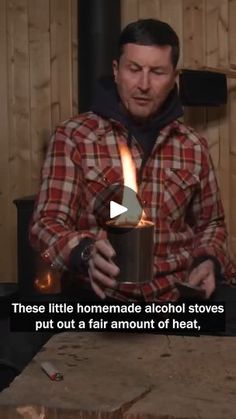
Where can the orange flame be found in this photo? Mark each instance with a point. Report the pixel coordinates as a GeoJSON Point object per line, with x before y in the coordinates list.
{"type": "Point", "coordinates": [44, 283]}
{"type": "Point", "coordinates": [130, 200]}
{"type": "Point", "coordinates": [48, 281]}
{"type": "Point", "coordinates": [128, 167]}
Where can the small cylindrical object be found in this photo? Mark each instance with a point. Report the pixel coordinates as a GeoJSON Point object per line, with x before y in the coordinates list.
{"type": "Point", "coordinates": [51, 371]}
{"type": "Point", "coordinates": [134, 249]}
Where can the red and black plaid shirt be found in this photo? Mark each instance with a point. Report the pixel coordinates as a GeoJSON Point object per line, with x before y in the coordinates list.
{"type": "Point", "coordinates": [179, 192]}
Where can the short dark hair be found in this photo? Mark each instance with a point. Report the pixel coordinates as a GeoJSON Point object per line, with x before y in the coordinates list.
{"type": "Point", "coordinates": [150, 32]}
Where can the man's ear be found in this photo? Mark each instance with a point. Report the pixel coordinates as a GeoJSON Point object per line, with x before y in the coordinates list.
{"type": "Point", "coordinates": [115, 65]}
{"type": "Point", "coordinates": [176, 77]}
{"type": "Point", "coordinates": [177, 71]}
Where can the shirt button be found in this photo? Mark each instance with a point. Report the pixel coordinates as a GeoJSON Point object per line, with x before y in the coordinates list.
{"type": "Point", "coordinates": [45, 256]}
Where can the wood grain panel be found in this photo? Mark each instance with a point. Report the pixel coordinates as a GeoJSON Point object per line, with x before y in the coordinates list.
{"type": "Point", "coordinates": [193, 32]}
{"type": "Point", "coordinates": [218, 121]}
{"type": "Point", "coordinates": [149, 9]}
{"type": "Point", "coordinates": [61, 53]}
{"type": "Point", "coordinates": [7, 269]}
{"type": "Point", "coordinates": [194, 54]}
{"type": "Point", "coordinates": [26, 82]}
{"type": "Point", "coordinates": [224, 128]}
{"type": "Point", "coordinates": [40, 91]}
{"type": "Point", "coordinates": [19, 97]}
{"type": "Point", "coordinates": [19, 109]}
{"type": "Point", "coordinates": [129, 11]}
{"type": "Point", "coordinates": [212, 58]}
{"type": "Point", "coordinates": [232, 32]}
{"type": "Point", "coordinates": [172, 13]}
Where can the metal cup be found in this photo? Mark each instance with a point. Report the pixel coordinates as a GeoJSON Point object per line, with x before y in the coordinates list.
{"type": "Point", "coordinates": [134, 246]}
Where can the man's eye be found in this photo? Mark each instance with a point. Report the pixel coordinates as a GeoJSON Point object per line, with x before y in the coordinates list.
{"type": "Point", "coordinates": [158, 72]}
{"type": "Point", "coordinates": [134, 69]}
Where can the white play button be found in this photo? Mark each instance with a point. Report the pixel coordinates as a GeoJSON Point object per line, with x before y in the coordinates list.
{"type": "Point", "coordinates": [117, 204]}
{"type": "Point", "coordinates": [116, 209]}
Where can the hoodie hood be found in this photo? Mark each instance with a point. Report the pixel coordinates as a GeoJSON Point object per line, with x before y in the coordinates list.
{"type": "Point", "coordinates": [106, 103]}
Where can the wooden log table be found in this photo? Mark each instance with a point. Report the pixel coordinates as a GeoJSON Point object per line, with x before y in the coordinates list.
{"type": "Point", "coordinates": [130, 376]}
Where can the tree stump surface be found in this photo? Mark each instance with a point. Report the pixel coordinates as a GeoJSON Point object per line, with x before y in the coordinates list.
{"type": "Point", "coordinates": [127, 376]}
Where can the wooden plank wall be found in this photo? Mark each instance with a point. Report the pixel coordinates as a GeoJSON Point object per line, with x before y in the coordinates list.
{"type": "Point", "coordinates": [38, 88]}
{"type": "Point", "coordinates": [207, 31]}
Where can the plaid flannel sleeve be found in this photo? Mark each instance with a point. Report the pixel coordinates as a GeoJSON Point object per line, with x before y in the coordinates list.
{"type": "Point", "coordinates": [207, 215]}
{"type": "Point", "coordinates": [53, 225]}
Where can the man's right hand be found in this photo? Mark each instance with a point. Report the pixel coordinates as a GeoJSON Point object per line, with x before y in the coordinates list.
{"type": "Point", "coordinates": [102, 270]}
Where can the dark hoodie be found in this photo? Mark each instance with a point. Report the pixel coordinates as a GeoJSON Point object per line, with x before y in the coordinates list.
{"type": "Point", "coordinates": [107, 104]}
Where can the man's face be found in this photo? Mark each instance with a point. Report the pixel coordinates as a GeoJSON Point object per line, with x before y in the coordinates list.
{"type": "Point", "coordinates": [144, 76]}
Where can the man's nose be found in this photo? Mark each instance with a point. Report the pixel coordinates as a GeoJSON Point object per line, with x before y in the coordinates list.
{"type": "Point", "coordinates": [144, 82]}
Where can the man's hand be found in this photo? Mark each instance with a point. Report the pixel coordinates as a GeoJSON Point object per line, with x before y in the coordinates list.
{"type": "Point", "coordinates": [102, 270]}
{"type": "Point", "coordinates": [203, 276]}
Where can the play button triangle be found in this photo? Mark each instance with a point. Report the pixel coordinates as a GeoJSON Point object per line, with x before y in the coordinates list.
{"type": "Point", "coordinates": [116, 209]}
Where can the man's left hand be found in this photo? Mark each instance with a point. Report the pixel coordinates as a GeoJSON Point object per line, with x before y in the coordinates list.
{"type": "Point", "coordinates": [203, 276]}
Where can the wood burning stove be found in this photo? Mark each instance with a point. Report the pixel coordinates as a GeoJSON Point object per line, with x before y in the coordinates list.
{"type": "Point", "coordinates": [26, 256]}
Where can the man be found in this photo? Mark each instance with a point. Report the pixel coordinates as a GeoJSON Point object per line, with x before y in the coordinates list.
{"type": "Point", "coordinates": [177, 183]}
